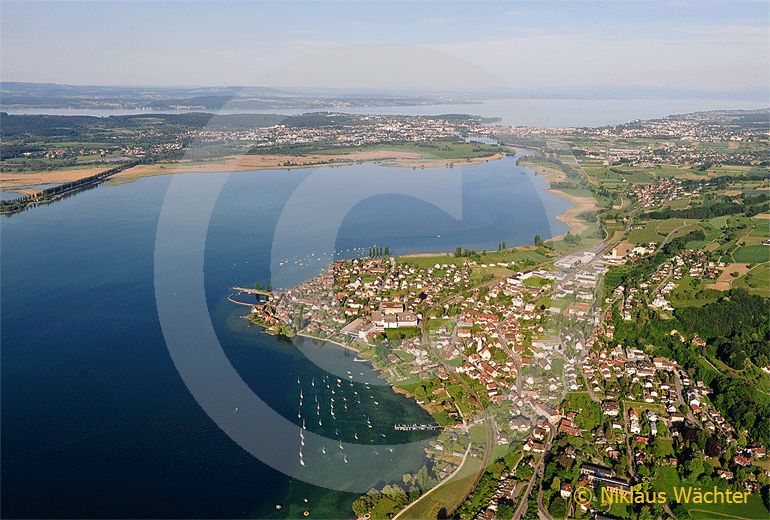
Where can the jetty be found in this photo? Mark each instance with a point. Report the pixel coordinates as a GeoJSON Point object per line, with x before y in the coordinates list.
{"type": "Point", "coordinates": [253, 291]}
{"type": "Point", "coordinates": [416, 427]}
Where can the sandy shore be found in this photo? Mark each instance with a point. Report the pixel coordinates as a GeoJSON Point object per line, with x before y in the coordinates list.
{"type": "Point", "coordinates": [579, 204]}
{"type": "Point", "coordinates": [274, 162]}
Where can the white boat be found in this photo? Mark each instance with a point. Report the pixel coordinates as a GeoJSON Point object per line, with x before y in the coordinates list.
{"type": "Point", "coordinates": [355, 435]}
{"type": "Point", "coordinates": [346, 458]}
{"type": "Point", "coordinates": [323, 450]}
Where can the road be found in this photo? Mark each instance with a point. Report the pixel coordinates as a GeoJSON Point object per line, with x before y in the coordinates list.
{"type": "Point", "coordinates": [434, 488]}
{"type": "Point", "coordinates": [490, 426]}
{"type": "Point", "coordinates": [536, 474]}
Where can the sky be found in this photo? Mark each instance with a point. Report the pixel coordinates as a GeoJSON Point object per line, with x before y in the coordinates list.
{"type": "Point", "coordinates": [419, 46]}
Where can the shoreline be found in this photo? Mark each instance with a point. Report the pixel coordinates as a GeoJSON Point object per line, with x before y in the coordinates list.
{"type": "Point", "coordinates": [580, 204]}
{"type": "Point", "coordinates": [249, 163]}
{"type": "Point", "coordinates": [237, 163]}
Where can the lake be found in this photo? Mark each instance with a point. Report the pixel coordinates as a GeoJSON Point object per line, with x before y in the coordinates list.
{"type": "Point", "coordinates": [96, 420]}
{"type": "Point", "coordinates": [539, 112]}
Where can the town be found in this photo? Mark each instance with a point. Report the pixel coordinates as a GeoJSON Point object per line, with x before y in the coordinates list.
{"type": "Point", "coordinates": [580, 363]}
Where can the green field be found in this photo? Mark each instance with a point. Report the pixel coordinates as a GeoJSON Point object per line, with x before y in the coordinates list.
{"type": "Point", "coordinates": [449, 150]}
{"type": "Point", "coordinates": [755, 254]}
{"type": "Point", "coordinates": [757, 280]}
{"type": "Point", "coordinates": [448, 494]}
{"type": "Point", "coordinates": [668, 478]}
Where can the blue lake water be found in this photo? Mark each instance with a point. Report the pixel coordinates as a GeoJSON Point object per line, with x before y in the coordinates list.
{"type": "Point", "coordinates": [10, 195]}
{"type": "Point", "coordinates": [96, 420]}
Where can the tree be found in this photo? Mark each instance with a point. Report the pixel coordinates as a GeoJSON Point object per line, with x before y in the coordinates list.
{"type": "Point", "coordinates": [256, 286]}
{"type": "Point", "coordinates": [505, 510]}
{"type": "Point", "coordinates": [538, 240]}
{"type": "Point", "coordinates": [387, 250]}
{"type": "Point", "coordinates": [558, 506]}
{"type": "Point", "coordinates": [694, 468]}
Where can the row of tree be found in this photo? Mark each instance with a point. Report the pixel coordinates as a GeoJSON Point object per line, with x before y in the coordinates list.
{"type": "Point", "coordinates": [377, 251]}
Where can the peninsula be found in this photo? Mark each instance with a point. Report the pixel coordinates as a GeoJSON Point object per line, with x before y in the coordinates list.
{"type": "Point", "coordinates": [605, 357]}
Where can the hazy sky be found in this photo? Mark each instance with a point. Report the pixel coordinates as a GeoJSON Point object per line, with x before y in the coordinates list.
{"type": "Point", "coordinates": [394, 45]}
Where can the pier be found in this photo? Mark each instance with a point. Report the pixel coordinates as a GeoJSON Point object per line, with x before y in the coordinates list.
{"type": "Point", "coordinates": [253, 291]}
{"type": "Point", "coordinates": [415, 427]}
